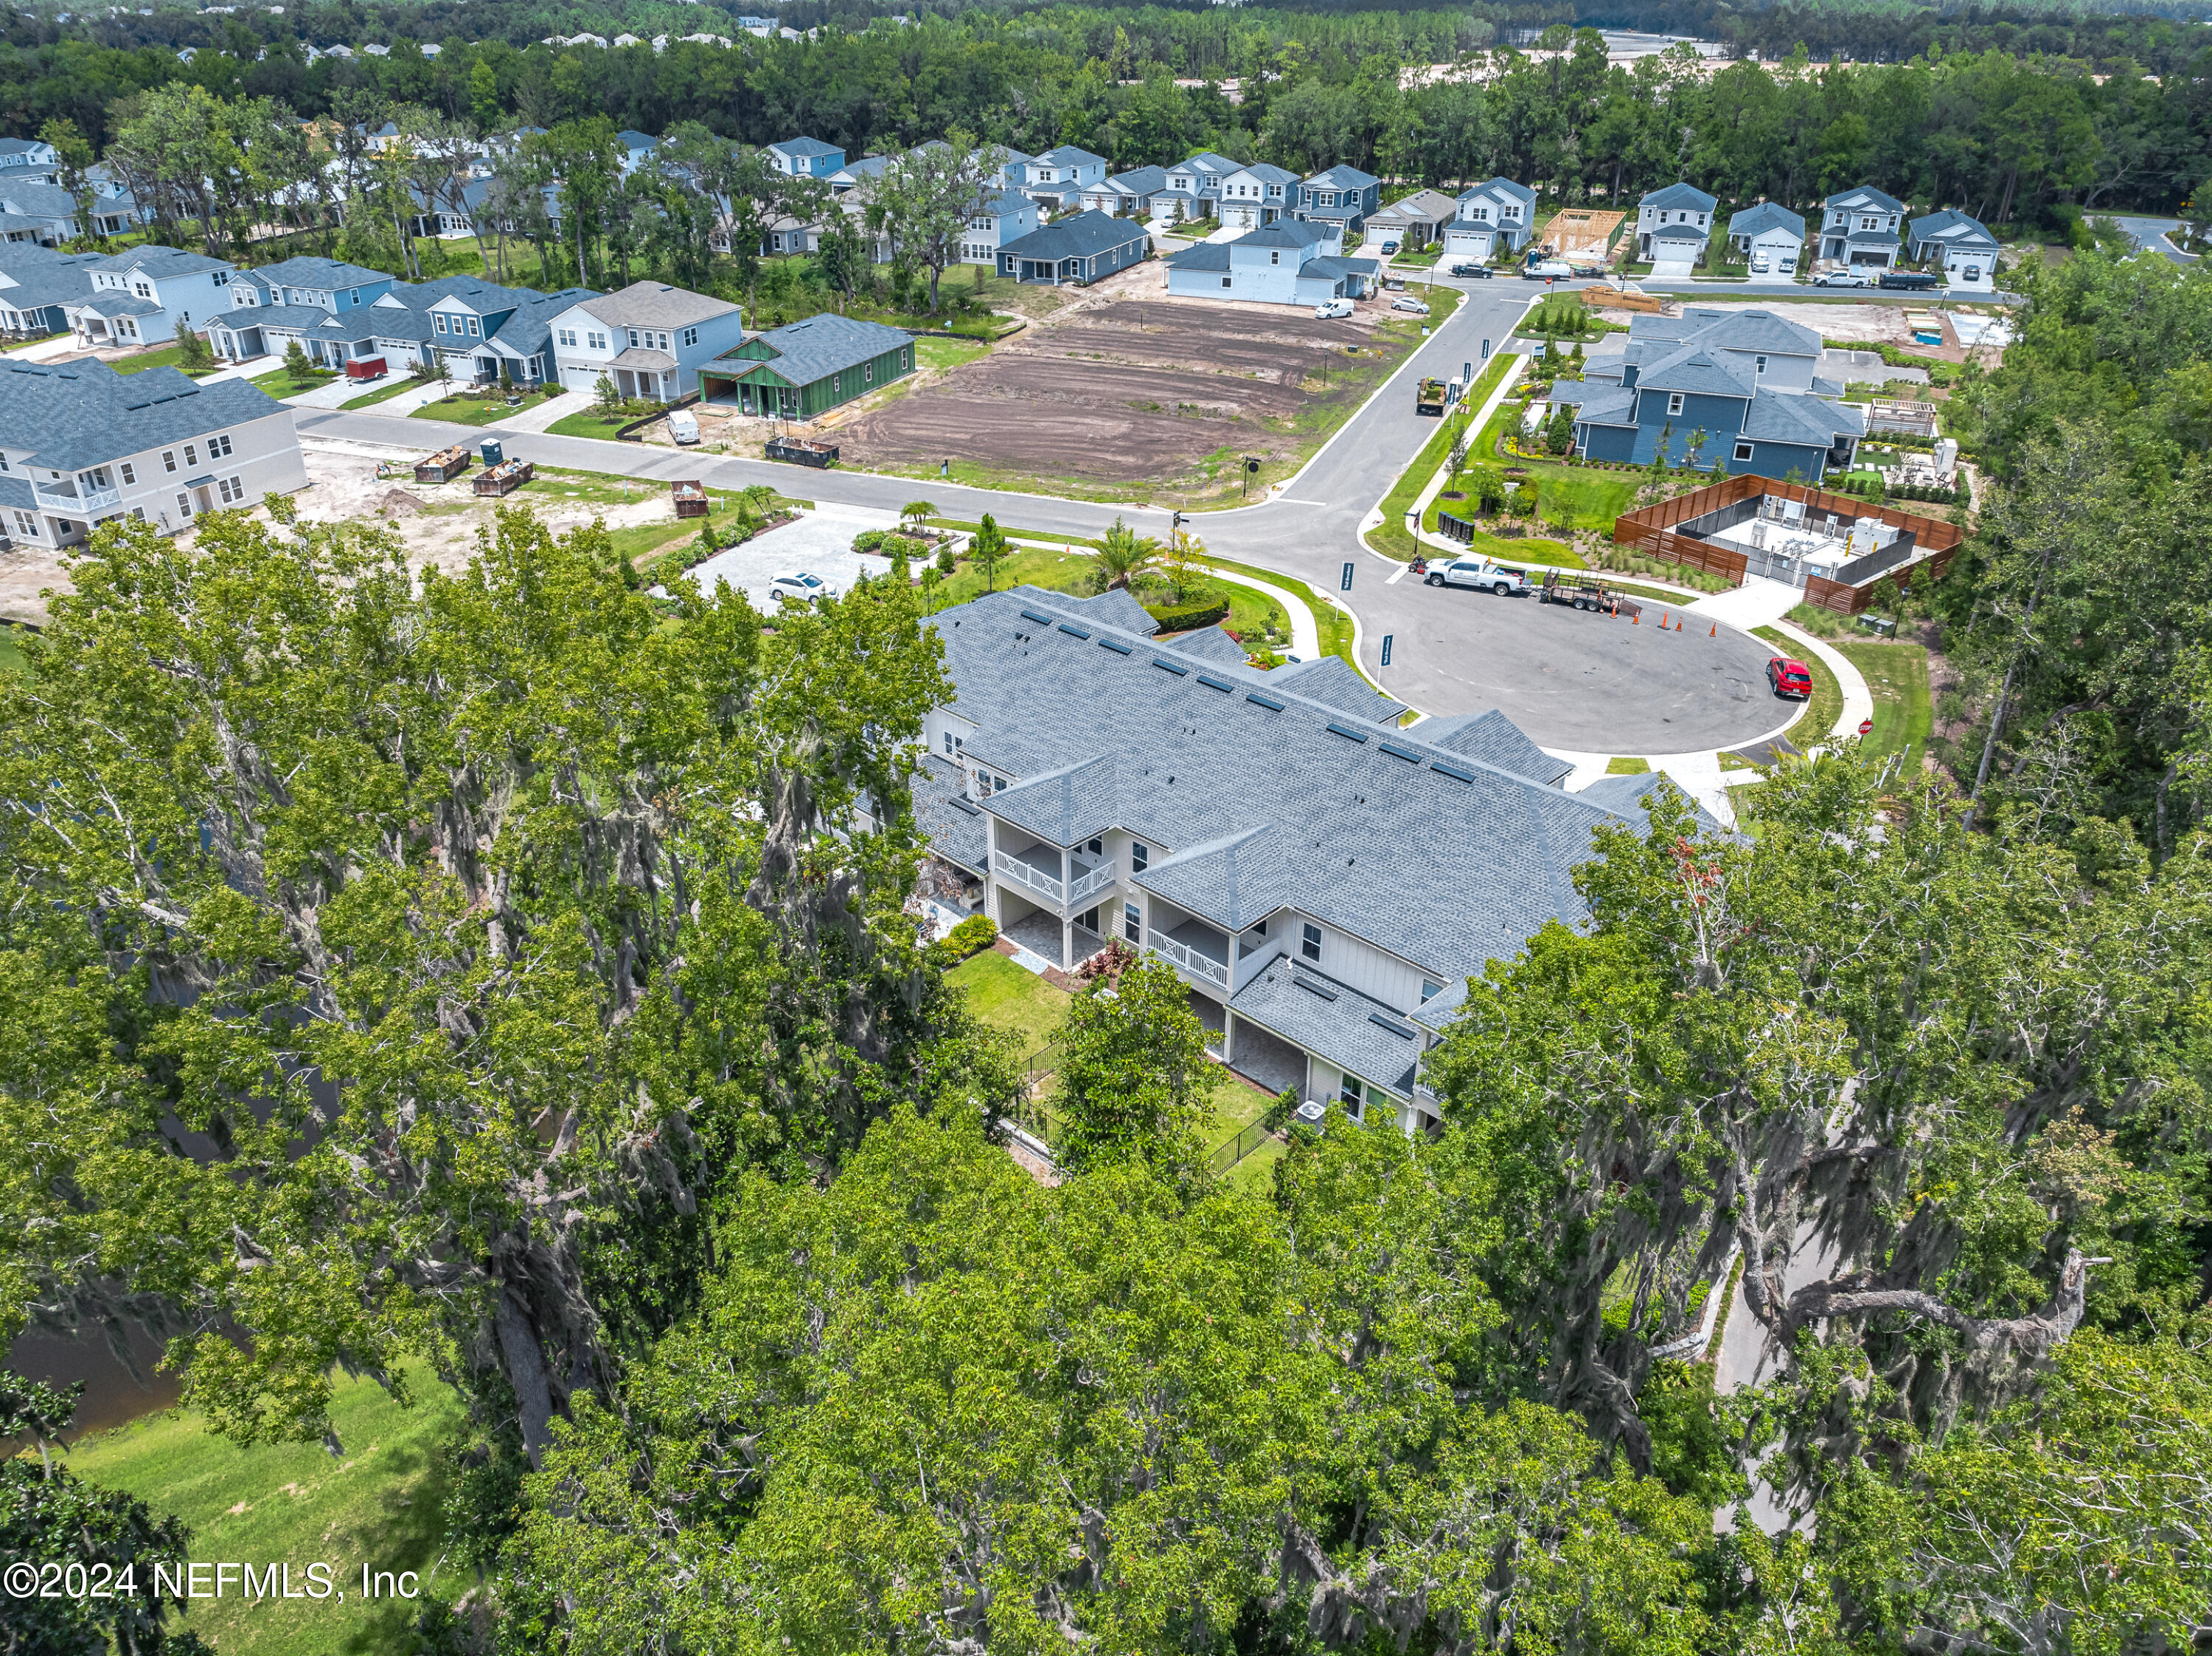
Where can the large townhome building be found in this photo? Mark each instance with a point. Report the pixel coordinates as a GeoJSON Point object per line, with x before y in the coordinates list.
{"type": "Point", "coordinates": [1079, 250]}
{"type": "Point", "coordinates": [1860, 228]}
{"type": "Point", "coordinates": [1323, 881]}
{"type": "Point", "coordinates": [1739, 385]}
{"type": "Point", "coordinates": [805, 158]}
{"type": "Point", "coordinates": [649, 338]}
{"type": "Point", "coordinates": [1770, 237]}
{"type": "Point", "coordinates": [1256, 195]}
{"type": "Point", "coordinates": [1290, 262]}
{"type": "Point", "coordinates": [145, 295]}
{"type": "Point", "coordinates": [1673, 226]}
{"type": "Point", "coordinates": [1498, 215]}
{"type": "Point", "coordinates": [805, 368]}
{"type": "Point", "coordinates": [1056, 179]}
{"type": "Point", "coordinates": [1194, 186]}
{"type": "Point", "coordinates": [80, 444]}
{"type": "Point", "coordinates": [344, 315]}
{"type": "Point", "coordinates": [1961, 245]}
{"type": "Point", "coordinates": [1130, 195]}
{"type": "Point", "coordinates": [1412, 221]}
{"type": "Point", "coordinates": [1006, 214]}
{"type": "Point", "coordinates": [1342, 195]}
{"type": "Point", "coordinates": [38, 286]}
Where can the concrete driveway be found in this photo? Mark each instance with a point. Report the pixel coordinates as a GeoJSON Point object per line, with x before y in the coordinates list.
{"type": "Point", "coordinates": [819, 543]}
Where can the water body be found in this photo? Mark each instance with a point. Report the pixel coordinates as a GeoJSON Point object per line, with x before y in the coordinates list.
{"type": "Point", "coordinates": [112, 1397]}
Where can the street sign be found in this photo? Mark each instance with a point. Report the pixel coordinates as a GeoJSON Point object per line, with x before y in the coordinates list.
{"type": "Point", "coordinates": [1866, 727]}
{"type": "Point", "coordinates": [1485, 350]}
{"type": "Point", "coordinates": [1347, 578]}
{"type": "Point", "coordinates": [1387, 637]}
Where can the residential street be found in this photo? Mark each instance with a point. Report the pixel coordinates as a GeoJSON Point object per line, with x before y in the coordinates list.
{"type": "Point", "coordinates": [1638, 691]}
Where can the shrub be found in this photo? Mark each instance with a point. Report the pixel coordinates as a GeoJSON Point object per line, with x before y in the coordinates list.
{"type": "Point", "coordinates": [1187, 617]}
{"type": "Point", "coordinates": [945, 560]}
{"type": "Point", "coordinates": [1115, 958]}
{"type": "Point", "coordinates": [971, 937]}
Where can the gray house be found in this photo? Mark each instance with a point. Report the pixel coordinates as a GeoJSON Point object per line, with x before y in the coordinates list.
{"type": "Point", "coordinates": [1859, 228]}
{"type": "Point", "coordinates": [1080, 249]}
{"type": "Point", "coordinates": [1323, 881]}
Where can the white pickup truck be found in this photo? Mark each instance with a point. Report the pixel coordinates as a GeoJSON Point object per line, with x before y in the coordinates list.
{"type": "Point", "coordinates": [1481, 572]}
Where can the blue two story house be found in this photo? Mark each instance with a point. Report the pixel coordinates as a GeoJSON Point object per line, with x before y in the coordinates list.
{"type": "Point", "coordinates": [1744, 379]}
{"type": "Point", "coordinates": [1055, 180]}
{"type": "Point", "coordinates": [1194, 186]}
{"type": "Point", "coordinates": [805, 158]}
{"type": "Point", "coordinates": [1343, 197]}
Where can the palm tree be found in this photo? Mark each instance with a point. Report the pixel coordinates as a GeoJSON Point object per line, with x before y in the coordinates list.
{"type": "Point", "coordinates": [914, 512]}
{"type": "Point", "coordinates": [1122, 553]}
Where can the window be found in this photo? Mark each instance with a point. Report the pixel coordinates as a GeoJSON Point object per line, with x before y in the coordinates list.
{"type": "Point", "coordinates": [130, 475]}
{"type": "Point", "coordinates": [1350, 1094]}
{"type": "Point", "coordinates": [1140, 856]}
{"type": "Point", "coordinates": [1431, 991]}
{"type": "Point", "coordinates": [473, 329]}
{"type": "Point", "coordinates": [690, 335]}
{"type": "Point", "coordinates": [27, 524]}
{"type": "Point", "coordinates": [1225, 281]}
{"type": "Point", "coordinates": [1761, 363]}
{"type": "Point", "coordinates": [1274, 257]}
{"type": "Point", "coordinates": [218, 447]}
{"type": "Point", "coordinates": [192, 455]}
{"type": "Point", "coordinates": [1133, 923]}
{"type": "Point", "coordinates": [1310, 945]}
{"type": "Point", "coordinates": [633, 338]}
{"type": "Point", "coordinates": [232, 490]}
{"type": "Point", "coordinates": [598, 341]}
{"type": "Point", "coordinates": [437, 322]}
{"type": "Point", "coordinates": [868, 375]}
{"type": "Point", "coordinates": [1673, 402]}
{"type": "Point", "coordinates": [568, 336]}
{"type": "Point", "coordinates": [1743, 451]}
{"type": "Point", "coordinates": [168, 459]}
{"type": "Point", "coordinates": [184, 506]}
{"type": "Point", "coordinates": [1097, 848]}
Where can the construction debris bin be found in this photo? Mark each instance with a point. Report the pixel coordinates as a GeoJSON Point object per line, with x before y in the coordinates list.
{"type": "Point", "coordinates": [494, 452]}
{"type": "Point", "coordinates": [690, 498]}
{"type": "Point", "coordinates": [442, 467]}
{"type": "Point", "coordinates": [504, 478]}
{"type": "Point", "coordinates": [799, 452]}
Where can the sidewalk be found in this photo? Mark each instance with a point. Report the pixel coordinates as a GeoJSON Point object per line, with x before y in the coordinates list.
{"type": "Point", "coordinates": [1758, 603]}
{"type": "Point", "coordinates": [540, 416]}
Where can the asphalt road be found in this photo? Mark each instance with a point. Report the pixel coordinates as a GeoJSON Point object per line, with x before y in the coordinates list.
{"type": "Point", "coordinates": [1571, 681]}
{"type": "Point", "coordinates": [2152, 233]}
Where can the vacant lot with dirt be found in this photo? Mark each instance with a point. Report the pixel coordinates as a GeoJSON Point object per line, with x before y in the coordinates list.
{"type": "Point", "coordinates": [1157, 397]}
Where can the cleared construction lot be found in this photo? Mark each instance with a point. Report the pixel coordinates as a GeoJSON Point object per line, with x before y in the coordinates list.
{"type": "Point", "coordinates": [1165, 392]}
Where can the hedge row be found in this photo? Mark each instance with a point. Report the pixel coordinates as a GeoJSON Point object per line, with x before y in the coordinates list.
{"type": "Point", "coordinates": [1186, 617]}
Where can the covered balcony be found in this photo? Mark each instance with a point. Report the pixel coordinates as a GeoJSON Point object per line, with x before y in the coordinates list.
{"type": "Point", "coordinates": [1064, 881]}
{"type": "Point", "coordinates": [1200, 950]}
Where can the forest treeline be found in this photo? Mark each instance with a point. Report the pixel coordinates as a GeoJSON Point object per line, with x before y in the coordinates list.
{"type": "Point", "coordinates": [2004, 136]}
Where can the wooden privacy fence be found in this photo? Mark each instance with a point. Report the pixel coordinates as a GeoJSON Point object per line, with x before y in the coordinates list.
{"type": "Point", "coordinates": [1653, 530]}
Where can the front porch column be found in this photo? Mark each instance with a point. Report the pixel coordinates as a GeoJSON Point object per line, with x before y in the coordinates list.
{"type": "Point", "coordinates": [1228, 1033]}
{"type": "Point", "coordinates": [1066, 917]}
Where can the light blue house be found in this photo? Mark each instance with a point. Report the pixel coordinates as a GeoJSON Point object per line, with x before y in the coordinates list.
{"type": "Point", "coordinates": [1256, 195]}
{"type": "Point", "coordinates": [1963, 246]}
{"type": "Point", "coordinates": [1771, 238]}
{"type": "Point", "coordinates": [1744, 379]}
{"type": "Point", "coordinates": [1494, 217]}
{"type": "Point", "coordinates": [1078, 249]}
{"type": "Point", "coordinates": [1194, 186]}
{"type": "Point", "coordinates": [1055, 180]}
{"type": "Point", "coordinates": [1005, 215]}
{"type": "Point", "coordinates": [636, 149]}
{"type": "Point", "coordinates": [144, 295]}
{"type": "Point", "coordinates": [1674, 225]}
{"type": "Point", "coordinates": [1343, 195]}
{"type": "Point", "coordinates": [1859, 228]}
{"type": "Point", "coordinates": [1290, 262]}
{"type": "Point", "coordinates": [805, 158]}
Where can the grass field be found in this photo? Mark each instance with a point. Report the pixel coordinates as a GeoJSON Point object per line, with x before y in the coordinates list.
{"type": "Point", "coordinates": [1903, 713]}
{"type": "Point", "coordinates": [381, 1505]}
{"type": "Point", "coordinates": [1825, 706]}
{"type": "Point", "coordinates": [11, 653]}
{"type": "Point", "coordinates": [281, 383]}
{"type": "Point", "coordinates": [397, 382]}
{"type": "Point", "coordinates": [1390, 537]}
{"type": "Point", "coordinates": [468, 410]}
{"type": "Point", "coordinates": [1009, 997]}
{"type": "Point", "coordinates": [590, 422]}
{"type": "Point", "coordinates": [169, 356]}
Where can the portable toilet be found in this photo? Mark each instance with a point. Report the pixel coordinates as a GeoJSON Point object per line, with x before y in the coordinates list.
{"type": "Point", "coordinates": [494, 453]}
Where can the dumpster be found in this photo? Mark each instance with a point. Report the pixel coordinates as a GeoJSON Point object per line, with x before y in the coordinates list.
{"type": "Point", "coordinates": [443, 466]}
{"type": "Point", "coordinates": [504, 478]}
{"type": "Point", "coordinates": [690, 496]}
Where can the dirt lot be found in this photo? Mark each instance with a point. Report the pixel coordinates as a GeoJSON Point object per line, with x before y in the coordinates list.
{"type": "Point", "coordinates": [1133, 387]}
{"type": "Point", "coordinates": [436, 523]}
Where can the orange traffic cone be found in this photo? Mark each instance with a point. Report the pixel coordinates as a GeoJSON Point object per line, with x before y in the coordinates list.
{"type": "Point", "coordinates": [1716, 632]}
{"type": "Point", "coordinates": [1636, 619]}
{"type": "Point", "coordinates": [1662, 621]}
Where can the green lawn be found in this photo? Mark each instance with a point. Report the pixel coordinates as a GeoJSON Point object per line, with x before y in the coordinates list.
{"type": "Point", "coordinates": [1008, 996]}
{"type": "Point", "coordinates": [1049, 568]}
{"type": "Point", "coordinates": [293, 1503]}
{"type": "Point", "coordinates": [947, 353]}
{"type": "Point", "coordinates": [1903, 713]}
{"type": "Point", "coordinates": [169, 356]}
{"type": "Point", "coordinates": [589, 424]}
{"type": "Point", "coordinates": [400, 382]}
{"type": "Point", "coordinates": [11, 653]}
{"type": "Point", "coordinates": [1825, 706]}
{"type": "Point", "coordinates": [1627, 766]}
{"type": "Point", "coordinates": [1331, 622]}
{"type": "Point", "coordinates": [468, 410]}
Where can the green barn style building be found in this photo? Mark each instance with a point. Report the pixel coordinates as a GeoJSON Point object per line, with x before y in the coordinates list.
{"type": "Point", "coordinates": [807, 368]}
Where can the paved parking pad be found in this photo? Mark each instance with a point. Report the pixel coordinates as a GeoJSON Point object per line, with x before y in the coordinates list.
{"type": "Point", "coordinates": [820, 543]}
{"type": "Point", "coordinates": [1581, 682]}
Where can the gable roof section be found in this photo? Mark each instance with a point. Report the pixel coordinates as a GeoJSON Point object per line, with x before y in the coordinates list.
{"type": "Point", "coordinates": [1355, 1033]}
{"type": "Point", "coordinates": [1697, 371]}
{"type": "Point", "coordinates": [657, 304]}
{"type": "Point", "coordinates": [1341, 176]}
{"type": "Point", "coordinates": [823, 345]}
{"type": "Point", "coordinates": [1136, 181]}
{"type": "Point", "coordinates": [1500, 189]}
{"type": "Point", "coordinates": [1083, 236]}
{"type": "Point", "coordinates": [1298, 233]}
{"type": "Point", "coordinates": [1953, 229]}
{"type": "Point", "coordinates": [1687, 197]}
{"type": "Point", "coordinates": [1335, 682]}
{"type": "Point", "coordinates": [804, 148]}
{"type": "Point", "coordinates": [323, 275]}
{"type": "Point", "coordinates": [1068, 154]}
{"type": "Point", "coordinates": [1788, 417]}
{"type": "Point", "coordinates": [1767, 216]}
{"type": "Point", "coordinates": [1684, 233]}
{"type": "Point", "coordinates": [1266, 172]}
{"type": "Point", "coordinates": [1495, 740]}
{"type": "Point", "coordinates": [1205, 162]}
{"type": "Point", "coordinates": [1204, 255]}
{"type": "Point", "coordinates": [1422, 207]}
{"type": "Point", "coordinates": [75, 414]}
{"type": "Point", "coordinates": [1864, 198]}
{"type": "Point", "coordinates": [1211, 644]}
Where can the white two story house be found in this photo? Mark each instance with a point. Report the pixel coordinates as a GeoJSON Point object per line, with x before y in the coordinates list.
{"type": "Point", "coordinates": [1323, 881]}
{"type": "Point", "coordinates": [1673, 227]}
{"type": "Point", "coordinates": [1005, 216]}
{"type": "Point", "coordinates": [1257, 195]}
{"type": "Point", "coordinates": [1860, 229]}
{"type": "Point", "coordinates": [649, 338]}
{"type": "Point", "coordinates": [1290, 262]}
{"type": "Point", "coordinates": [143, 296]}
{"type": "Point", "coordinates": [1193, 187]}
{"type": "Point", "coordinates": [1494, 217]}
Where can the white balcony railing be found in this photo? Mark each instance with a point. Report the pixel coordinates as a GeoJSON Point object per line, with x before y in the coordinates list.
{"type": "Point", "coordinates": [1014, 869]}
{"type": "Point", "coordinates": [1098, 879]}
{"type": "Point", "coordinates": [72, 499]}
{"type": "Point", "coordinates": [1197, 965]}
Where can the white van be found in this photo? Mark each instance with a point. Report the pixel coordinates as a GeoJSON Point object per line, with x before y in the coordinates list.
{"type": "Point", "coordinates": [1332, 309]}
{"type": "Point", "coordinates": [683, 426]}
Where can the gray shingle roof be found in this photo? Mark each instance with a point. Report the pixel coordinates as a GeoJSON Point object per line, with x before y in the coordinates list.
{"type": "Point", "coordinates": [1787, 417]}
{"type": "Point", "coordinates": [1117, 607]}
{"type": "Point", "coordinates": [1328, 265]}
{"type": "Point", "coordinates": [1211, 644]}
{"type": "Point", "coordinates": [1334, 682]}
{"type": "Point", "coordinates": [75, 414]}
{"type": "Point", "coordinates": [35, 199]}
{"type": "Point", "coordinates": [823, 345]}
{"type": "Point", "coordinates": [1495, 740]}
{"type": "Point", "coordinates": [956, 831]}
{"type": "Point", "coordinates": [1697, 370]}
{"type": "Point", "coordinates": [1871, 239]}
{"type": "Point", "coordinates": [1607, 406]}
{"type": "Point", "coordinates": [1298, 233]}
{"type": "Point", "coordinates": [1736, 331]}
{"type": "Point", "coordinates": [805, 147]}
{"type": "Point", "coordinates": [1864, 198]}
{"type": "Point", "coordinates": [1685, 196]}
{"type": "Point", "coordinates": [1138, 181]}
{"type": "Point", "coordinates": [1953, 229]}
{"type": "Point", "coordinates": [323, 274]}
{"type": "Point", "coordinates": [1068, 154]}
{"type": "Point", "coordinates": [1201, 256]}
{"type": "Point", "coordinates": [1678, 233]}
{"type": "Point", "coordinates": [1767, 216]}
{"type": "Point", "coordinates": [1267, 172]}
{"type": "Point", "coordinates": [1440, 857]}
{"type": "Point", "coordinates": [1344, 1026]}
{"type": "Point", "coordinates": [655, 304]}
{"type": "Point", "coordinates": [1083, 236]}
{"type": "Point", "coordinates": [1341, 176]}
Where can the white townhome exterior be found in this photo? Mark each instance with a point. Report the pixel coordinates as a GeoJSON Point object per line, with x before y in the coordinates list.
{"type": "Point", "coordinates": [142, 297]}
{"type": "Point", "coordinates": [649, 338]}
{"type": "Point", "coordinates": [80, 444]}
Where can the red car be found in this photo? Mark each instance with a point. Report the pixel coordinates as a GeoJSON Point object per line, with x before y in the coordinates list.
{"type": "Point", "coordinates": [1789, 677]}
